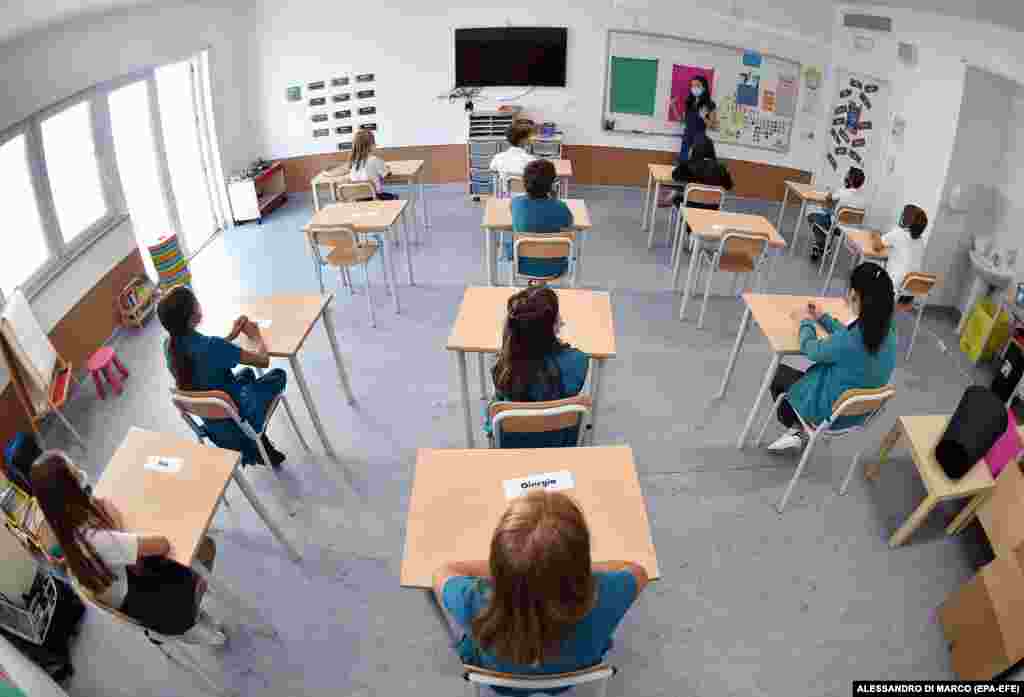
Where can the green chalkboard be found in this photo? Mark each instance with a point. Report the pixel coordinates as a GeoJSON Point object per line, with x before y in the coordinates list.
{"type": "Point", "coordinates": [634, 85]}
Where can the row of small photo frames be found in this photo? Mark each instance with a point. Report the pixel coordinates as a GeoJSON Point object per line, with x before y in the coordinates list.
{"type": "Point", "coordinates": [340, 105]}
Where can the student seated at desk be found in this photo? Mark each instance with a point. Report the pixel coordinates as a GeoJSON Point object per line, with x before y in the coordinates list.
{"type": "Point", "coordinates": [862, 355]}
{"type": "Point", "coordinates": [512, 162]}
{"type": "Point", "coordinates": [534, 366]}
{"type": "Point", "coordinates": [367, 167]}
{"type": "Point", "coordinates": [850, 196]}
{"type": "Point", "coordinates": [703, 167]}
{"type": "Point", "coordinates": [537, 212]}
{"type": "Point", "coordinates": [126, 570]}
{"type": "Point", "coordinates": [200, 362]}
{"type": "Point", "coordinates": [905, 247]}
{"type": "Point", "coordinates": [538, 605]}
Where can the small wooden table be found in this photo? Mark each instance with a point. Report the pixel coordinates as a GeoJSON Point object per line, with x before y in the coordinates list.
{"type": "Point", "coordinates": [708, 227]}
{"type": "Point", "coordinates": [657, 176]}
{"type": "Point", "coordinates": [498, 219]}
{"type": "Point", "coordinates": [806, 193]}
{"type": "Point", "coordinates": [858, 241]}
{"type": "Point", "coordinates": [772, 314]}
{"type": "Point", "coordinates": [367, 217]}
{"type": "Point", "coordinates": [923, 433]}
{"type": "Point", "coordinates": [479, 328]}
{"type": "Point", "coordinates": [178, 504]}
{"type": "Point", "coordinates": [291, 318]}
{"type": "Point", "coordinates": [458, 498]}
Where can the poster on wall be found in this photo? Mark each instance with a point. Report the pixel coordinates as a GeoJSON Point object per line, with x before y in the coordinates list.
{"type": "Point", "coordinates": [681, 76]}
{"type": "Point", "coordinates": [813, 79]}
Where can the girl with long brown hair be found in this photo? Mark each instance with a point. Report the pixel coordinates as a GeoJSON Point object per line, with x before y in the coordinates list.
{"type": "Point", "coordinates": [200, 362]}
{"type": "Point", "coordinates": [534, 365]}
{"type": "Point", "coordinates": [128, 571]}
{"type": "Point", "coordinates": [367, 167]}
{"type": "Point", "coordinates": [539, 604]}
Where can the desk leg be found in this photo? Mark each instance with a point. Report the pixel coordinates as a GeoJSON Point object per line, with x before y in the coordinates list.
{"type": "Point", "coordinates": [799, 225]}
{"type": "Point", "coordinates": [914, 521]}
{"type": "Point", "coordinates": [291, 418]}
{"type": "Point", "coordinates": [406, 230]}
{"type": "Point", "coordinates": [782, 210]}
{"type": "Point", "coordinates": [442, 617]}
{"type": "Point", "coordinates": [311, 407]}
{"type": "Point", "coordinates": [654, 211]}
{"type": "Point", "coordinates": [481, 364]}
{"type": "Point", "coordinates": [769, 376]}
{"type": "Point", "coordinates": [677, 249]}
{"type": "Point", "coordinates": [489, 261]}
{"type": "Point", "coordinates": [387, 248]}
{"type": "Point", "coordinates": [740, 338]}
{"type": "Point", "coordinates": [839, 246]}
{"type": "Point", "coordinates": [580, 236]}
{"type": "Point", "coordinates": [422, 199]}
{"type": "Point", "coordinates": [234, 601]}
{"type": "Point", "coordinates": [596, 365]}
{"type": "Point", "coordinates": [460, 357]}
{"type": "Point", "coordinates": [691, 275]}
{"type": "Point", "coordinates": [332, 337]}
{"type": "Point", "coordinates": [968, 514]}
{"type": "Point", "coordinates": [873, 470]}
{"type": "Point", "coordinates": [647, 201]}
{"type": "Point", "coordinates": [261, 510]}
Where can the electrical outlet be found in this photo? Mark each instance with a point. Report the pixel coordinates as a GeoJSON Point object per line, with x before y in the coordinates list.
{"type": "Point", "coordinates": [891, 167]}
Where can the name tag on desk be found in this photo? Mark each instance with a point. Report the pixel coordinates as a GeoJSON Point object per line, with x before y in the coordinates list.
{"type": "Point", "coordinates": [169, 465]}
{"type": "Point", "coordinates": [549, 481]}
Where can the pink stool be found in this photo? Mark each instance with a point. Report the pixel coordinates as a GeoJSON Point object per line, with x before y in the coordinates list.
{"type": "Point", "coordinates": [100, 362]}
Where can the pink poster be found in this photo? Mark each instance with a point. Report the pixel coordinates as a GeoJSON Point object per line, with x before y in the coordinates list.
{"type": "Point", "coordinates": [681, 76]}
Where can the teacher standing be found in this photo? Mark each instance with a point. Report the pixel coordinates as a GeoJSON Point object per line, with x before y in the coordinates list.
{"type": "Point", "coordinates": [701, 112]}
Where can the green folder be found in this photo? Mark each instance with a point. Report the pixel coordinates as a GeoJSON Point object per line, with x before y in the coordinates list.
{"type": "Point", "coordinates": [634, 85]}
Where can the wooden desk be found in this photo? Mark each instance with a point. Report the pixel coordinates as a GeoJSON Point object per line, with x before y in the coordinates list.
{"type": "Point", "coordinates": [858, 241]}
{"type": "Point", "coordinates": [479, 328]}
{"type": "Point", "coordinates": [498, 219]}
{"type": "Point", "coordinates": [292, 318]}
{"type": "Point", "coordinates": [407, 172]}
{"type": "Point", "coordinates": [923, 433]}
{"type": "Point", "coordinates": [457, 499]}
{"type": "Point", "coordinates": [772, 314]}
{"type": "Point", "coordinates": [366, 217]}
{"type": "Point", "coordinates": [657, 176]}
{"type": "Point", "coordinates": [708, 227]}
{"type": "Point", "coordinates": [179, 505]}
{"type": "Point", "coordinates": [806, 193]}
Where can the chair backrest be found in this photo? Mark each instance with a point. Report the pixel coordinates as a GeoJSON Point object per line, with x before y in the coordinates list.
{"type": "Point", "coordinates": [847, 215]}
{"type": "Point", "coordinates": [536, 246]}
{"type": "Point", "coordinates": [539, 417]}
{"type": "Point", "coordinates": [862, 402]}
{"type": "Point", "coordinates": [206, 404]}
{"type": "Point", "coordinates": [743, 243]}
{"type": "Point", "coordinates": [335, 236]}
{"type": "Point", "coordinates": [481, 676]}
{"type": "Point", "coordinates": [354, 191]}
{"type": "Point", "coordinates": [703, 193]}
{"type": "Point", "coordinates": [918, 284]}
{"type": "Point", "coordinates": [514, 185]}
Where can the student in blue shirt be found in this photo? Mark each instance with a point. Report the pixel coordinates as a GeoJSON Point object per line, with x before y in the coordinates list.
{"type": "Point", "coordinates": [538, 605]}
{"type": "Point", "coordinates": [538, 212]}
{"type": "Point", "coordinates": [534, 366]}
{"type": "Point", "coordinates": [861, 355]}
{"type": "Point", "coordinates": [200, 362]}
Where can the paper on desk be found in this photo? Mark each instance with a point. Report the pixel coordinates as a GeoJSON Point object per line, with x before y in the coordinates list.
{"type": "Point", "coordinates": [159, 463]}
{"type": "Point", "coordinates": [263, 323]}
{"type": "Point", "coordinates": [549, 481]}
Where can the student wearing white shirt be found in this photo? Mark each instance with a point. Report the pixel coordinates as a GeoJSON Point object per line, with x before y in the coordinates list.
{"type": "Point", "coordinates": [513, 161]}
{"type": "Point", "coordinates": [127, 571]}
{"type": "Point", "coordinates": [850, 196]}
{"type": "Point", "coordinates": [905, 246]}
{"type": "Point", "coordinates": [367, 167]}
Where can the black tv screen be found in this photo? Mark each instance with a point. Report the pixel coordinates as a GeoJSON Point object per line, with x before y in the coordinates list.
{"type": "Point", "coordinates": [510, 57]}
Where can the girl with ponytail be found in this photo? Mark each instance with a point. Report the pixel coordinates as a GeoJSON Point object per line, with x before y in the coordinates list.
{"type": "Point", "coordinates": [862, 355]}
{"type": "Point", "coordinates": [534, 365]}
{"type": "Point", "coordinates": [200, 362]}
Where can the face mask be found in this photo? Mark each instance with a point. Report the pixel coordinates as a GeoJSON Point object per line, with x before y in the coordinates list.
{"type": "Point", "coordinates": [696, 91]}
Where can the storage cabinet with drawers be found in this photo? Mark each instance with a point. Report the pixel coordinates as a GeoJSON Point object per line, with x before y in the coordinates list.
{"type": "Point", "coordinates": [487, 137]}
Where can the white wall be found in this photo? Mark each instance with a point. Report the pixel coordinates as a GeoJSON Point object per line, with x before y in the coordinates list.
{"type": "Point", "coordinates": [409, 45]}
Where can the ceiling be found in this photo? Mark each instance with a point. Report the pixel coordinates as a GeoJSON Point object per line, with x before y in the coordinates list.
{"type": "Point", "coordinates": [20, 16]}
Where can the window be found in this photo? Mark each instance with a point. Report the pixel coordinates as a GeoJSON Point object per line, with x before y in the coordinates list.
{"type": "Point", "coordinates": [21, 215]}
{"type": "Point", "coordinates": [73, 170]}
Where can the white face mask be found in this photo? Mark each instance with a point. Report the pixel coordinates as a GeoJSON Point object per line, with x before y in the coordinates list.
{"type": "Point", "coordinates": [696, 91]}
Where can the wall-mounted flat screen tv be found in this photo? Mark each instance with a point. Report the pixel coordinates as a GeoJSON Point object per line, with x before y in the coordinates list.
{"type": "Point", "coordinates": [510, 57]}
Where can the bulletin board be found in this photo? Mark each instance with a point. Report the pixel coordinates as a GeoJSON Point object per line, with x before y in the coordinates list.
{"type": "Point", "coordinates": [648, 78]}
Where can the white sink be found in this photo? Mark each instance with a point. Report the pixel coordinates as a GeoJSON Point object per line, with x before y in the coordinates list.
{"type": "Point", "coordinates": [996, 277]}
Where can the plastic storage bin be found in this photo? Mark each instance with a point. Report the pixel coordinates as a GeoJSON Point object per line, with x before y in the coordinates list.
{"type": "Point", "coordinates": [978, 323]}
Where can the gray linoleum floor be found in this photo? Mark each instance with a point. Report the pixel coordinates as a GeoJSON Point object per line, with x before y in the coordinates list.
{"type": "Point", "coordinates": [749, 603]}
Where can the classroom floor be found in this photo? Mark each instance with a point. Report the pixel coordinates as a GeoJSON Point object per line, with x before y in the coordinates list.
{"type": "Point", "coordinates": [749, 602]}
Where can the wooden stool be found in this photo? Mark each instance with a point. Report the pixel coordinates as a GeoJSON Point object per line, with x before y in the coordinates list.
{"type": "Point", "coordinates": [100, 362]}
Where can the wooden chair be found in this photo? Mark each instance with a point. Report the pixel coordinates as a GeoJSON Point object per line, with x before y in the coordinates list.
{"type": "Point", "coordinates": [539, 417]}
{"type": "Point", "coordinates": [844, 215]}
{"type": "Point", "coordinates": [348, 249]}
{"type": "Point", "coordinates": [693, 193]}
{"type": "Point", "coordinates": [331, 178]}
{"type": "Point", "coordinates": [738, 252]}
{"type": "Point", "coordinates": [532, 246]}
{"type": "Point", "coordinates": [350, 191]}
{"type": "Point", "coordinates": [195, 406]}
{"type": "Point", "coordinates": [164, 642]}
{"type": "Point", "coordinates": [868, 403]}
{"type": "Point", "coordinates": [598, 675]}
{"type": "Point", "coordinates": [919, 286]}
